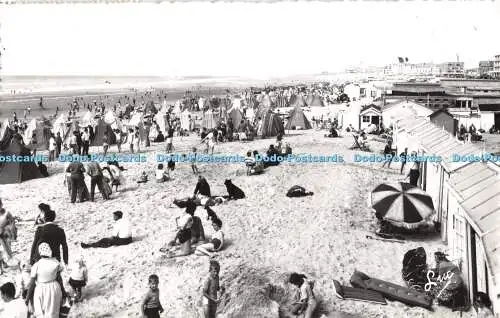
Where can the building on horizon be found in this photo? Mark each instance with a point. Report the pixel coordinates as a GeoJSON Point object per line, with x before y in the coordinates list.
{"type": "Point", "coordinates": [486, 68]}
{"type": "Point", "coordinates": [496, 66]}
{"type": "Point", "coordinates": [452, 69]}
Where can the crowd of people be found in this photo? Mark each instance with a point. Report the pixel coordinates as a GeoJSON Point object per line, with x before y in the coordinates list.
{"type": "Point", "coordinates": [40, 289]}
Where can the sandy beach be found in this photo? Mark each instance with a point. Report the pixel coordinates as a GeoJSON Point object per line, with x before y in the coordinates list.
{"type": "Point", "coordinates": [268, 234]}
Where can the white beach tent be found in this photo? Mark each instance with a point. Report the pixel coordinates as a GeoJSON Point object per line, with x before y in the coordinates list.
{"type": "Point", "coordinates": [185, 120]}
{"type": "Point", "coordinates": [61, 126]}
{"type": "Point", "coordinates": [111, 119]}
{"type": "Point", "coordinates": [177, 109]}
{"type": "Point", "coordinates": [88, 120]}
{"type": "Point", "coordinates": [250, 114]}
{"type": "Point", "coordinates": [137, 120]}
{"type": "Point", "coordinates": [209, 121]}
{"type": "Point", "coordinates": [42, 131]}
{"type": "Point", "coordinates": [3, 127]}
{"type": "Point", "coordinates": [161, 120]}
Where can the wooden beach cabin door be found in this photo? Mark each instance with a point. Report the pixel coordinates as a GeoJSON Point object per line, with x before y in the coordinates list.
{"type": "Point", "coordinates": [481, 271]}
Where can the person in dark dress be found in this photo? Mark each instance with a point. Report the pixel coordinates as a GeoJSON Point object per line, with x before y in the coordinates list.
{"type": "Point", "coordinates": [53, 235]}
{"type": "Point", "coordinates": [202, 187]}
{"type": "Point", "coordinates": [402, 157]}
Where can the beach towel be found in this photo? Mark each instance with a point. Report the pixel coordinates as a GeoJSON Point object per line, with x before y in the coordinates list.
{"type": "Point", "coordinates": [350, 293]}
{"type": "Point", "coordinates": [392, 291]}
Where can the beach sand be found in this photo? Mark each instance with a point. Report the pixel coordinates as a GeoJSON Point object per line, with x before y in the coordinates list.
{"type": "Point", "coordinates": [268, 234]}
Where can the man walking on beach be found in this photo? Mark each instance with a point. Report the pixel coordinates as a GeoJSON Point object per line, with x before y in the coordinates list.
{"type": "Point", "coordinates": [76, 169]}
{"type": "Point", "coordinates": [96, 178]}
{"type": "Point", "coordinates": [58, 144]}
{"type": "Point", "coordinates": [402, 157]}
{"type": "Point", "coordinates": [86, 142]}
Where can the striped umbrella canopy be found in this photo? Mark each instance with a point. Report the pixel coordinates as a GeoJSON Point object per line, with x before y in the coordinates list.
{"type": "Point", "coordinates": [402, 204]}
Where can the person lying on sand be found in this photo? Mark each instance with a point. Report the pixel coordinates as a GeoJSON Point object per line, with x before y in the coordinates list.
{"type": "Point", "coordinates": [122, 234]}
{"type": "Point", "coordinates": [215, 244]}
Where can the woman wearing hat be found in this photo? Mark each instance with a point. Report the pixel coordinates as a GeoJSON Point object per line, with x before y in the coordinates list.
{"type": "Point", "coordinates": [46, 290]}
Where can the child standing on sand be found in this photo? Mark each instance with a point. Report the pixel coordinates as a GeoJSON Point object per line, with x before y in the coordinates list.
{"type": "Point", "coordinates": [210, 290]}
{"type": "Point", "coordinates": [193, 162]}
{"type": "Point", "coordinates": [151, 306]}
{"type": "Point", "coordinates": [78, 278]}
{"type": "Point", "coordinates": [23, 279]}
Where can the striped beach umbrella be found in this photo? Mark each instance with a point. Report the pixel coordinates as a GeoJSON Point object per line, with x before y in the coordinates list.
{"type": "Point", "coordinates": [401, 204]}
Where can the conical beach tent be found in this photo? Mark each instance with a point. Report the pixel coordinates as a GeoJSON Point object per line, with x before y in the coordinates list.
{"type": "Point", "coordinates": [99, 130]}
{"type": "Point", "coordinates": [88, 120]}
{"type": "Point", "coordinates": [236, 115]}
{"type": "Point", "coordinates": [3, 128]}
{"type": "Point", "coordinates": [209, 121]}
{"type": "Point", "coordinates": [16, 172]}
{"type": "Point", "coordinates": [185, 120]}
{"type": "Point", "coordinates": [137, 120]}
{"type": "Point", "coordinates": [271, 125]}
{"type": "Point", "coordinates": [42, 131]}
{"type": "Point", "coordinates": [266, 102]}
{"type": "Point", "coordinates": [61, 125]}
{"type": "Point", "coordinates": [111, 119]}
{"type": "Point", "coordinates": [298, 120]}
{"type": "Point", "coordinates": [297, 100]}
{"type": "Point", "coordinates": [315, 101]}
{"type": "Point", "coordinates": [161, 120]}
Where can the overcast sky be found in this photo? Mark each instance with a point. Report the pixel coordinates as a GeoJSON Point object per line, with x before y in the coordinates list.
{"type": "Point", "coordinates": [242, 39]}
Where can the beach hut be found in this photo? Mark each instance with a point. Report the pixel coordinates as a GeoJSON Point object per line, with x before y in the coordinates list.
{"type": "Point", "coordinates": [42, 130]}
{"type": "Point", "coordinates": [99, 130]}
{"type": "Point", "coordinates": [18, 171]}
{"type": "Point", "coordinates": [298, 120]}
{"type": "Point", "coordinates": [209, 120]}
{"type": "Point", "coordinates": [271, 125]}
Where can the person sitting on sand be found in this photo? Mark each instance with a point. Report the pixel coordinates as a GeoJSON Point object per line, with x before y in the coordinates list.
{"type": "Point", "coordinates": [202, 188]}
{"type": "Point", "coordinates": [160, 137]}
{"type": "Point", "coordinates": [249, 162]}
{"type": "Point", "coordinates": [122, 234]}
{"type": "Point", "coordinates": [161, 175]}
{"type": "Point", "coordinates": [307, 301]}
{"type": "Point", "coordinates": [215, 244]}
{"type": "Point", "coordinates": [8, 233]}
{"type": "Point", "coordinates": [183, 235]}
{"type": "Point", "coordinates": [143, 178]}
{"type": "Point", "coordinates": [12, 308]}
{"type": "Point", "coordinates": [43, 169]}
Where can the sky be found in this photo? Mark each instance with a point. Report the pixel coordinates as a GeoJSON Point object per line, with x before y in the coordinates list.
{"type": "Point", "coordinates": [242, 39]}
